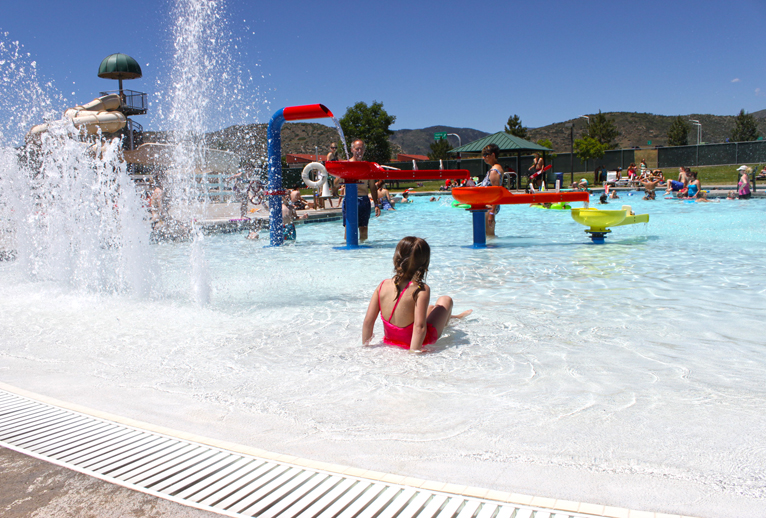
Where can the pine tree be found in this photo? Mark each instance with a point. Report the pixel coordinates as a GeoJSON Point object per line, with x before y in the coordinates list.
{"type": "Point", "coordinates": [515, 128]}
{"type": "Point", "coordinates": [678, 134]}
{"type": "Point", "coordinates": [603, 130]}
{"type": "Point", "coordinates": [440, 150]}
{"type": "Point", "coordinates": [745, 129]}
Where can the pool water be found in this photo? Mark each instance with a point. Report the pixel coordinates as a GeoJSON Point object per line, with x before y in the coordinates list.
{"type": "Point", "coordinates": [628, 374]}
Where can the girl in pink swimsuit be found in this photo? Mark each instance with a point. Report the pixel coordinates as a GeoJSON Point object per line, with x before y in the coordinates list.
{"type": "Point", "coordinates": [411, 322]}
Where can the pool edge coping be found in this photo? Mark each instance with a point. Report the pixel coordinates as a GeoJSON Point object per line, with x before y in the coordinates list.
{"type": "Point", "coordinates": [444, 487]}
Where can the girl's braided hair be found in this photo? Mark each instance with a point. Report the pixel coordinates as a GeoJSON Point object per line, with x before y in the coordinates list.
{"type": "Point", "coordinates": [411, 261]}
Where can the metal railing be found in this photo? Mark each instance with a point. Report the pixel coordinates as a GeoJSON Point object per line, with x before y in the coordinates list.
{"type": "Point", "coordinates": [132, 102]}
{"type": "Point", "coordinates": [133, 135]}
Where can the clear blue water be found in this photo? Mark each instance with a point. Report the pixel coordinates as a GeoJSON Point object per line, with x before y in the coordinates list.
{"type": "Point", "coordinates": [586, 372]}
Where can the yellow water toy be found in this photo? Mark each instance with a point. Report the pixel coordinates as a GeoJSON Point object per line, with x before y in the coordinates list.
{"type": "Point", "coordinates": [598, 220]}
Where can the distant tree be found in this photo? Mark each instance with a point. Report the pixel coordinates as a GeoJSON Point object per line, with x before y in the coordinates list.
{"type": "Point", "coordinates": [371, 124]}
{"type": "Point", "coordinates": [440, 150]}
{"type": "Point", "coordinates": [678, 134]}
{"type": "Point", "coordinates": [745, 129]}
{"type": "Point", "coordinates": [587, 148]}
{"type": "Point", "coordinates": [545, 143]}
{"type": "Point", "coordinates": [515, 128]}
{"type": "Point", "coordinates": [603, 130]}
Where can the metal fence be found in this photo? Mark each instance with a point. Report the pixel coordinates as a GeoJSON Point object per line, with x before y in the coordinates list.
{"type": "Point", "coordinates": [675, 156]}
{"type": "Point", "coordinates": [713, 154]}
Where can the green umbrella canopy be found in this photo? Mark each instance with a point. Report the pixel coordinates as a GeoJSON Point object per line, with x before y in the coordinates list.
{"type": "Point", "coordinates": [119, 66]}
{"type": "Point", "coordinates": [504, 141]}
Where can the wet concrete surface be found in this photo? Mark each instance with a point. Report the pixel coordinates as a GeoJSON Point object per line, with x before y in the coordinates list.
{"type": "Point", "coordinates": [31, 488]}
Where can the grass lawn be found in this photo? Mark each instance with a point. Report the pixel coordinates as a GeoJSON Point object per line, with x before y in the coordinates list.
{"type": "Point", "coordinates": [708, 175]}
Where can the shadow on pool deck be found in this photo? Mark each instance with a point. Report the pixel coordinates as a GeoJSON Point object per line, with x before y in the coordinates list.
{"type": "Point", "coordinates": [32, 488]}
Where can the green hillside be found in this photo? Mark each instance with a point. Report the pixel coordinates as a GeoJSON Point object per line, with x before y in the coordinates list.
{"type": "Point", "coordinates": [636, 129]}
{"type": "Point", "coordinates": [418, 141]}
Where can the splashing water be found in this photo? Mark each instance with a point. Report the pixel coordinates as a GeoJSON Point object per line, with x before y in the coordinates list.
{"type": "Point", "coordinates": [24, 101]}
{"type": "Point", "coordinates": [73, 214]}
{"type": "Point", "coordinates": [342, 136]}
{"type": "Point", "coordinates": [69, 213]}
{"type": "Point", "coordinates": [206, 90]}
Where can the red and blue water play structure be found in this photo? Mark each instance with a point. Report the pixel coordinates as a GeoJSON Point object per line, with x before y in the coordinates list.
{"type": "Point", "coordinates": [349, 171]}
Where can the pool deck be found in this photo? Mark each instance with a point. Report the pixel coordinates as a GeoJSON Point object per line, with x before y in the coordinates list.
{"type": "Point", "coordinates": [91, 454]}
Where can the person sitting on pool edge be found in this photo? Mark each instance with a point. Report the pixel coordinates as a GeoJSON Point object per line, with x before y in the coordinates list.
{"type": "Point", "coordinates": [494, 178]}
{"type": "Point", "coordinates": [694, 188]}
{"type": "Point", "coordinates": [362, 199]}
{"type": "Point", "coordinates": [677, 185]}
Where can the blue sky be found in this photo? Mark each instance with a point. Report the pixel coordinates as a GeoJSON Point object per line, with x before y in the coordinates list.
{"type": "Point", "coordinates": [430, 63]}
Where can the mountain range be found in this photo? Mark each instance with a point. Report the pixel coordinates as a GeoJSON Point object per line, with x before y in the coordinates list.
{"type": "Point", "coordinates": [635, 130]}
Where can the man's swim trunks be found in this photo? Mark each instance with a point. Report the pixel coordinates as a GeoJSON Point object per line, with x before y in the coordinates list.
{"type": "Point", "coordinates": [365, 208]}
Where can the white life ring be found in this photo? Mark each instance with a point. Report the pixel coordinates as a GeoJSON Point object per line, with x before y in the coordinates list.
{"type": "Point", "coordinates": [321, 179]}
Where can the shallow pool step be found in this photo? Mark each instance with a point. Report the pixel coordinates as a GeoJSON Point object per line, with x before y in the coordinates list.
{"type": "Point", "coordinates": [221, 481]}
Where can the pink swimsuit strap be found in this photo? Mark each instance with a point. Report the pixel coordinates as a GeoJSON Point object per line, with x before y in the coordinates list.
{"type": "Point", "coordinates": [395, 304]}
{"type": "Point", "coordinates": [402, 336]}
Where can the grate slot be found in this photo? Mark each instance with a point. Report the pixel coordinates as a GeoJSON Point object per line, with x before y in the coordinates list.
{"type": "Point", "coordinates": [223, 481]}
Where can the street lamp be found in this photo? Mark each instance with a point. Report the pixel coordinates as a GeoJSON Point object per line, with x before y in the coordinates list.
{"type": "Point", "coordinates": [459, 144]}
{"type": "Point", "coordinates": [570, 125]}
{"type": "Point", "coordinates": [586, 160]}
{"type": "Point", "coordinates": [699, 129]}
{"type": "Point", "coordinates": [699, 137]}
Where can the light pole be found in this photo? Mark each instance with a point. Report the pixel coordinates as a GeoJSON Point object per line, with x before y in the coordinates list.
{"type": "Point", "coordinates": [570, 125]}
{"type": "Point", "coordinates": [459, 143]}
{"type": "Point", "coordinates": [587, 119]}
{"type": "Point", "coordinates": [699, 137]}
{"type": "Point", "coordinates": [699, 130]}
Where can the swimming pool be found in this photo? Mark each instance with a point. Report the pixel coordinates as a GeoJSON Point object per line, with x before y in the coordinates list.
{"type": "Point", "coordinates": [627, 374]}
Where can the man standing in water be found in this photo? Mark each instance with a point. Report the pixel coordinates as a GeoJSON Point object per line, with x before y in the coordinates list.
{"type": "Point", "coordinates": [494, 178]}
{"type": "Point", "coordinates": [364, 187]}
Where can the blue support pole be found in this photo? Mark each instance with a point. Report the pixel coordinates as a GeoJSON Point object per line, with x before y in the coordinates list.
{"type": "Point", "coordinates": [275, 192]}
{"type": "Point", "coordinates": [479, 228]}
{"type": "Point", "coordinates": [352, 215]}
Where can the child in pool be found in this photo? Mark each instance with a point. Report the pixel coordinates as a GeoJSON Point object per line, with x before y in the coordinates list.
{"type": "Point", "coordinates": [411, 322]}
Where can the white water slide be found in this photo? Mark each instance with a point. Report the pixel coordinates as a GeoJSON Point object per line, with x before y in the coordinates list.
{"type": "Point", "coordinates": [99, 114]}
{"type": "Point", "coordinates": [103, 114]}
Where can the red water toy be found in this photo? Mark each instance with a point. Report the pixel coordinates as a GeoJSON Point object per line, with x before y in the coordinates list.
{"type": "Point", "coordinates": [479, 197]}
{"type": "Point", "coordinates": [541, 171]}
{"type": "Point", "coordinates": [373, 171]}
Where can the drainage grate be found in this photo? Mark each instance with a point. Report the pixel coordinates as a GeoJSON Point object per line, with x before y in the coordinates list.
{"type": "Point", "coordinates": [223, 481]}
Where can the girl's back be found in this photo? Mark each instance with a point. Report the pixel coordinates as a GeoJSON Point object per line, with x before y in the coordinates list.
{"type": "Point", "coordinates": [405, 310]}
